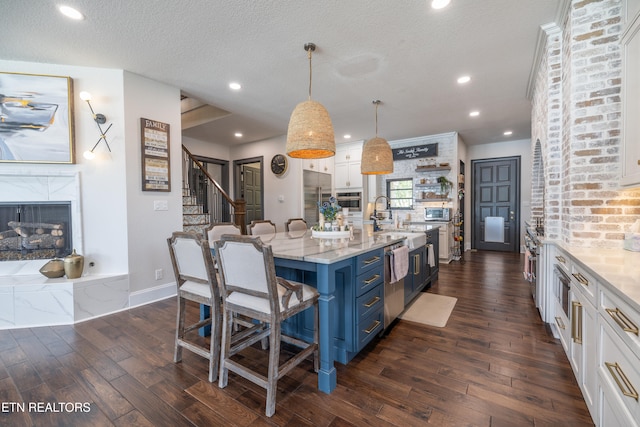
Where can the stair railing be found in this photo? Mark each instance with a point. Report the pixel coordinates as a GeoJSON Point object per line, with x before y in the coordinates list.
{"type": "Point", "coordinates": [210, 194]}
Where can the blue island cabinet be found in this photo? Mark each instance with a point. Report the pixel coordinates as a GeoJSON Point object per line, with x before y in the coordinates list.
{"type": "Point", "coordinates": [351, 303]}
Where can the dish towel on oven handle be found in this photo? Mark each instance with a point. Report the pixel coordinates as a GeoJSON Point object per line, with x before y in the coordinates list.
{"type": "Point", "coordinates": [526, 268]}
{"type": "Point", "coordinates": [431, 255]}
{"type": "Point", "coordinates": [399, 263]}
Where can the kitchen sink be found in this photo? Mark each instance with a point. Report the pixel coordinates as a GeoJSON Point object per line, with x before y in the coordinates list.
{"type": "Point", "coordinates": [410, 239]}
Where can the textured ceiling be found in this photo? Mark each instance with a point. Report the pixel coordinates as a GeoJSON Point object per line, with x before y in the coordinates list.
{"type": "Point", "coordinates": [401, 52]}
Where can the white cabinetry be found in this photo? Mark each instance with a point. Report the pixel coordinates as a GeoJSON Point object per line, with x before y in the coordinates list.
{"type": "Point", "coordinates": [600, 337]}
{"type": "Point", "coordinates": [619, 362]}
{"type": "Point", "coordinates": [631, 103]}
{"type": "Point", "coordinates": [445, 232]}
{"type": "Point", "coordinates": [582, 347]}
{"type": "Point", "coordinates": [347, 166]}
{"type": "Point", "coordinates": [319, 165]}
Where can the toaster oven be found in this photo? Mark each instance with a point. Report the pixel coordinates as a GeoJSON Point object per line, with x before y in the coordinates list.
{"type": "Point", "coordinates": [437, 214]}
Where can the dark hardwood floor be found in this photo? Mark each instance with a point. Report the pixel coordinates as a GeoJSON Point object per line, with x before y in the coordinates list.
{"type": "Point", "coordinates": [494, 364]}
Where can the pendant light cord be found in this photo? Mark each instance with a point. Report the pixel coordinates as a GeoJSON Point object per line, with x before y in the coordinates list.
{"type": "Point", "coordinates": [309, 55]}
{"type": "Point", "coordinates": [376, 102]}
{"type": "Point", "coordinates": [376, 119]}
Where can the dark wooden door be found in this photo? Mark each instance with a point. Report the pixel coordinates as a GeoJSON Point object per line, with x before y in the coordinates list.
{"type": "Point", "coordinates": [252, 191]}
{"type": "Point", "coordinates": [496, 198]}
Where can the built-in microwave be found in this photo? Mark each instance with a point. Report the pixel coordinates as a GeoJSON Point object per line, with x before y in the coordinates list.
{"type": "Point", "coordinates": [437, 214]}
{"type": "Point", "coordinates": [351, 200]}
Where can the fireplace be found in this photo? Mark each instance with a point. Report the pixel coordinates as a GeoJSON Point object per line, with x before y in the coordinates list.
{"type": "Point", "coordinates": [35, 230]}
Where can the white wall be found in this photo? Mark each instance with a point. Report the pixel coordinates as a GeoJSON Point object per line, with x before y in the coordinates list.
{"type": "Point", "coordinates": [121, 231]}
{"type": "Point", "coordinates": [102, 183]}
{"type": "Point", "coordinates": [147, 230]}
{"type": "Point", "coordinates": [206, 149]}
{"type": "Point", "coordinates": [520, 148]}
{"type": "Point", "coordinates": [289, 186]}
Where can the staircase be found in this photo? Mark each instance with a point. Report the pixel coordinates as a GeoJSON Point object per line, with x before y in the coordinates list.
{"type": "Point", "coordinates": [211, 205]}
{"type": "Point", "coordinates": [193, 218]}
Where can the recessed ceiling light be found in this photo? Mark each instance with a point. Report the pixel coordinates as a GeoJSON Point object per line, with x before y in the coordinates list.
{"type": "Point", "coordinates": [235, 86]}
{"type": "Point", "coordinates": [347, 136]}
{"type": "Point", "coordinates": [464, 79]}
{"type": "Point", "coordinates": [70, 12]}
{"type": "Point", "coordinates": [439, 4]}
{"type": "Point", "coordinates": [507, 133]}
{"type": "Point", "coordinates": [238, 135]}
{"type": "Point", "coordinates": [474, 113]}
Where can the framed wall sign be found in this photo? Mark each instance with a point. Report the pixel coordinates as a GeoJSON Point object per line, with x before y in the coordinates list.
{"type": "Point", "coordinates": [36, 118]}
{"type": "Point", "coordinates": [156, 171]}
{"type": "Point", "coordinates": [415, 152]}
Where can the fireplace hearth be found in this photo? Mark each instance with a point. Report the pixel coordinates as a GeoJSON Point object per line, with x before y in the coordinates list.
{"type": "Point", "coordinates": [35, 230]}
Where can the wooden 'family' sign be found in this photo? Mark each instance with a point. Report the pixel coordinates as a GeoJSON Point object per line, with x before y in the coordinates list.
{"type": "Point", "coordinates": [156, 173]}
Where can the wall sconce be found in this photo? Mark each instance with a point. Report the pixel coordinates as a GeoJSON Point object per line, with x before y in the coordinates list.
{"type": "Point", "coordinates": [100, 119]}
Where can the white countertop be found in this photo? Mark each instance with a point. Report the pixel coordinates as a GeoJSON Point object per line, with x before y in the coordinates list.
{"type": "Point", "coordinates": [618, 269]}
{"type": "Point", "coordinates": [300, 246]}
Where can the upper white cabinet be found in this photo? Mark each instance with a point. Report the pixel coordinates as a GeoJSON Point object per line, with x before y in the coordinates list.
{"type": "Point", "coordinates": [631, 104]}
{"type": "Point", "coordinates": [347, 166]}
{"type": "Point", "coordinates": [319, 165]}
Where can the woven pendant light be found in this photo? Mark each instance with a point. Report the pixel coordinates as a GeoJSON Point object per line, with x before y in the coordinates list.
{"type": "Point", "coordinates": [310, 134]}
{"type": "Point", "coordinates": [377, 158]}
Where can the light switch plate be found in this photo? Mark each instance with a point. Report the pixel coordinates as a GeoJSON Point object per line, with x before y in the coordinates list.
{"type": "Point", "coordinates": [160, 205]}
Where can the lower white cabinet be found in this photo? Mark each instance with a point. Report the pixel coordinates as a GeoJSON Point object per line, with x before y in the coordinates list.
{"type": "Point", "coordinates": [445, 231]}
{"type": "Point", "coordinates": [598, 329]}
{"type": "Point", "coordinates": [619, 372]}
{"type": "Point", "coordinates": [582, 346]}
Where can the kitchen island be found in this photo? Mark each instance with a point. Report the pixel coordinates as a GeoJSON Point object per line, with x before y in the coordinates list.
{"type": "Point", "coordinates": [348, 274]}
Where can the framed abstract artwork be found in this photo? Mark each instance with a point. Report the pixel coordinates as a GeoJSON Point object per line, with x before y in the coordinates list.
{"type": "Point", "coordinates": [36, 118]}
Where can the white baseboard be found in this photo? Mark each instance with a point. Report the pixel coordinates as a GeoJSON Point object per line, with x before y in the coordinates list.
{"type": "Point", "coordinates": [150, 295]}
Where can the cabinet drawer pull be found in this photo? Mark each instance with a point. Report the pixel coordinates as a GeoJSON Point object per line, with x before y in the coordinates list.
{"type": "Point", "coordinates": [576, 322]}
{"type": "Point", "coordinates": [372, 302]}
{"type": "Point", "coordinates": [371, 260]}
{"type": "Point", "coordinates": [559, 323]}
{"type": "Point", "coordinates": [621, 379]}
{"type": "Point", "coordinates": [580, 278]}
{"type": "Point", "coordinates": [372, 327]}
{"type": "Point", "coordinates": [416, 264]}
{"type": "Point", "coordinates": [561, 259]}
{"type": "Point", "coordinates": [623, 321]}
{"type": "Point", "coordinates": [371, 280]}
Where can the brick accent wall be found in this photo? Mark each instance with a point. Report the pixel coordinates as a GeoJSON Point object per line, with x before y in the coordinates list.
{"type": "Point", "coordinates": [447, 152]}
{"type": "Point", "coordinates": [577, 118]}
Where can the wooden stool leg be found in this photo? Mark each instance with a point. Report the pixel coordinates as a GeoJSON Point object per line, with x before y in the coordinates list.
{"type": "Point", "coordinates": [227, 328]}
{"type": "Point", "coordinates": [177, 354]}
{"type": "Point", "coordinates": [272, 376]}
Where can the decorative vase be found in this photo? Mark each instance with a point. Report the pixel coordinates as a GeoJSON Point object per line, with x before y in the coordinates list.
{"type": "Point", "coordinates": [321, 221]}
{"type": "Point", "coordinates": [327, 226]}
{"type": "Point", "coordinates": [53, 269]}
{"type": "Point", "coordinates": [73, 265]}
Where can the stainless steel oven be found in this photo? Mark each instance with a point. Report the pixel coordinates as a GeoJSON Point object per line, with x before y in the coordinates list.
{"type": "Point", "coordinates": [351, 200]}
{"type": "Point", "coordinates": [563, 284]}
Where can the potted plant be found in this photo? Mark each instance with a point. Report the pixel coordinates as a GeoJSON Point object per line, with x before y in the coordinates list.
{"type": "Point", "coordinates": [445, 185]}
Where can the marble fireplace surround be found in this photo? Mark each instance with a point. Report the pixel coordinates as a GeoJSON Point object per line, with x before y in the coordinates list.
{"type": "Point", "coordinates": [27, 298]}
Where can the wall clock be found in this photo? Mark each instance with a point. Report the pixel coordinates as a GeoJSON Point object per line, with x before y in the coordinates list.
{"type": "Point", "coordinates": [279, 164]}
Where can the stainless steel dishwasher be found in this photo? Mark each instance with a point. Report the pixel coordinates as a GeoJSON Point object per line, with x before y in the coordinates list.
{"type": "Point", "coordinates": [393, 292]}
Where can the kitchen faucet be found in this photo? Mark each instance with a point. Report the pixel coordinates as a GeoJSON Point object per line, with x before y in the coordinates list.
{"type": "Point", "coordinates": [374, 217]}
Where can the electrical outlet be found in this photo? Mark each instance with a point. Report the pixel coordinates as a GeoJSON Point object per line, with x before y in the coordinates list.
{"type": "Point", "coordinates": [159, 274]}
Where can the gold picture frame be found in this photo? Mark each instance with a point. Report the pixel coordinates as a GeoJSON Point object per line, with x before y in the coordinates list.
{"type": "Point", "coordinates": [36, 118]}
